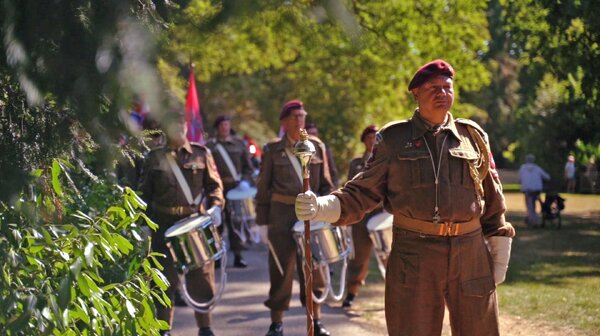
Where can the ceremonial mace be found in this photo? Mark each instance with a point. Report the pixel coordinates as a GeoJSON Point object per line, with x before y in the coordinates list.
{"type": "Point", "coordinates": [304, 150]}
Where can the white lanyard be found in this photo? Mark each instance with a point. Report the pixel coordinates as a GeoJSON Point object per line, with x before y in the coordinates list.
{"type": "Point", "coordinates": [436, 174]}
{"type": "Point", "coordinates": [187, 192]}
{"type": "Point", "coordinates": [228, 162]}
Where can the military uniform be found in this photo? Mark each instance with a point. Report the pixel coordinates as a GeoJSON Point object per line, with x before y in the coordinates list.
{"type": "Point", "coordinates": [240, 158]}
{"type": "Point", "coordinates": [445, 199]}
{"type": "Point", "coordinates": [167, 204]}
{"type": "Point", "coordinates": [277, 187]}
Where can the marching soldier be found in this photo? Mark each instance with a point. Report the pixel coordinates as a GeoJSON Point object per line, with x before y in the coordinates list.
{"type": "Point", "coordinates": [278, 183]}
{"type": "Point", "coordinates": [234, 165]}
{"type": "Point", "coordinates": [358, 267]}
{"type": "Point", "coordinates": [168, 203]}
{"type": "Point", "coordinates": [451, 243]}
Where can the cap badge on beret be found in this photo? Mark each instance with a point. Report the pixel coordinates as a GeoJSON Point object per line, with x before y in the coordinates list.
{"type": "Point", "coordinates": [288, 107]}
{"type": "Point", "coordinates": [434, 68]}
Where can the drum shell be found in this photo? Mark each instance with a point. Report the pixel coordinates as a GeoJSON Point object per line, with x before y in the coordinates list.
{"type": "Point", "coordinates": [382, 240]}
{"type": "Point", "coordinates": [198, 245]}
{"type": "Point", "coordinates": [328, 244]}
{"type": "Point", "coordinates": [242, 210]}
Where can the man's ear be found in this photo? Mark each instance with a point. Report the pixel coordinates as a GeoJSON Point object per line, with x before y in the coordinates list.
{"type": "Point", "coordinates": [414, 93]}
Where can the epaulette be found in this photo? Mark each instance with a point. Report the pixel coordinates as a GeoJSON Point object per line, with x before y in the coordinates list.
{"type": "Point", "coordinates": [474, 125]}
{"type": "Point", "coordinates": [389, 126]}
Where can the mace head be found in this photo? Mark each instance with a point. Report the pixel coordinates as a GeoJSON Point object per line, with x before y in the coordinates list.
{"type": "Point", "coordinates": [304, 149]}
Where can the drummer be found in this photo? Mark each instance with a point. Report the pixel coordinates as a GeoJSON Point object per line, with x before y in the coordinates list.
{"type": "Point", "coordinates": [235, 168]}
{"type": "Point", "coordinates": [167, 204]}
{"type": "Point", "coordinates": [278, 183]}
{"type": "Point", "coordinates": [358, 267]}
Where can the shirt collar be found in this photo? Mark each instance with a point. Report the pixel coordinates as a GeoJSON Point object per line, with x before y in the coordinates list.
{"type": "Point", "coordinates": [420, 127]}
{"type": "Point", "coordinates": [186, 145]}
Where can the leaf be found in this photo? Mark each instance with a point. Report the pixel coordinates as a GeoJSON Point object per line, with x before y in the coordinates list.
{"type": "Point", "coordinates": [88, 253]}
{"type": "Point", "coordinates": [55, 174]}
{"type": "Point", "coordinates": [123, 244]}
{"type": "Point", "coordinates": [64, 293]}
{"type": "Point", "coordinates": [130, 308]}
{"type": "Point", "coordinates": [160, 279]}
{"type": "Point", "coordinates": [83, 285]}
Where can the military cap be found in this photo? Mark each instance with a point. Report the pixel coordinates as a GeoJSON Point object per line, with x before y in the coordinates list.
{"type": "Point", "coordinates": [288, 107]}
{"type": "Point", "coordinates": [220, 119]}
{"type": "Point", "coordinates": [427, 71]}
{"type": "Point", "coordinates": [368, 130]}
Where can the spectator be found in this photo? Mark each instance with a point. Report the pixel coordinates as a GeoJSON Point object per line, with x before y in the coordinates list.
{"type": "Point", "coordinates": [570, 173]}
{"type": "Point", "coordinates": [531, 177]}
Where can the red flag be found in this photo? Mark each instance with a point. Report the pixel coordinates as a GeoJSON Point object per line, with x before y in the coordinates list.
{"type": "Point", "coordinates": [193, 119]}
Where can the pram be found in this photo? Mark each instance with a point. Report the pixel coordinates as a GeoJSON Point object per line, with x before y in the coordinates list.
{"type": "Point", "coordinates": [551, 208]}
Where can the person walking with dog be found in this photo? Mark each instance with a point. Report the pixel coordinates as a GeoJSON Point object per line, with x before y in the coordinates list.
{"type": "Point", "coordinates": [451, 243]}
{"type": "Point", "coordinates": [531, 177]}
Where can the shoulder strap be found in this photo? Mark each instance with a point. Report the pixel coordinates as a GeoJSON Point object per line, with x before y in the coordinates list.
{"type": "Point", "coordinates": [228, 162]}
{"type": "Point", "coordinates": [187, 192]}
{"type": "Point", "coordinates": [479, 169]}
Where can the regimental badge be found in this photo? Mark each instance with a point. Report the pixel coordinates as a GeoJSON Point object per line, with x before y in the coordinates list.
{"type": "Point", "coordinates": [418, 143]}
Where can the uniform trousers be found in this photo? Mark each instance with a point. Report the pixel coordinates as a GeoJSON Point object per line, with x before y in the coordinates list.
{"type": "Point", "coordinates": [282, 218]}
{"type": "Point", "coordinates": [358, 267]}
{"type": "Point", "coordinates": [200, 282]}
{"type": "Point", "coordinates": [425, 273]}
{"type": "Point", "coordinates": [233, 223]}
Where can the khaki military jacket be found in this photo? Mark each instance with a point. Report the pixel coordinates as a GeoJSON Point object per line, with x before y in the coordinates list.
{"type": "Point", "coordinates": [357, 165]}
{"type": "Point", "coordinates": [159, 186]}
{"type": "Point", "coordinates": [239, 155]}
{"type": "Point", "coordinates": [401, 174]}
{"type": "Point", "coordinates": [278, 176]}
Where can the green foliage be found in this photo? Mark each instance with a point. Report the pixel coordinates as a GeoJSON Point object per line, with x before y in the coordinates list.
{"type": "Point", "coordinates": [71, 272]}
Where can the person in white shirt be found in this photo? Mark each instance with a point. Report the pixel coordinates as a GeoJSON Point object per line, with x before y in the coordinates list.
{"type": "Point", "coordinates": [531, 177]}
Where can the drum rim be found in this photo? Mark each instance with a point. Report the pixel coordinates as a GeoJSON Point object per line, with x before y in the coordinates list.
{"type": "Point", "coordinates": [314, 226]}
{"type": "Point", "coordinates": [204, 220]}
{"type": "Point", "coordinates": [382, 224]}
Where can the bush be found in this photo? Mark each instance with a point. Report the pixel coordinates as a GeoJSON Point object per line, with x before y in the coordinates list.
{"type": "Point", "coordinates": [68, 271]}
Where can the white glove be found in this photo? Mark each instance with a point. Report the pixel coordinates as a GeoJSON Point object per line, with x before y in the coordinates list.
{"type": "Point", "coordinates": [215, 215]}
{"type": "Point", "coordinates": [323, 208]}
{"type": "Point", "coordinates": [264, 233]}
{"type": "Point", "coordinates": [500, 250]}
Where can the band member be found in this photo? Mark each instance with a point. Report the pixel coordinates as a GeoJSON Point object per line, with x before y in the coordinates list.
{"type": "Point", "coordinates": [358, 267]}
{"type": "Point", "coordinates": [168, 203]}
{"type": "Point", "coordinates": [234, 165]}
{"type": "Point", "coordinates": [435, 175]}
{"type": "Point", "coordinates": [278, 183]}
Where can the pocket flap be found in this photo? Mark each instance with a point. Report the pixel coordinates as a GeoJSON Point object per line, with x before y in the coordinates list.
{"type": "Point", "coordinates": [193, 165]}
{"type": "Point", "coordinates": [462, 153]}
{"type": "Point", "coordinates": [413, 155]}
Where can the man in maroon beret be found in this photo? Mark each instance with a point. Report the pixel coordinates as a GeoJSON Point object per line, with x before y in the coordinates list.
{"type": "Point", "coordinates": [451, 243]}
{"type": "Point", "coordinates": [278, 183]}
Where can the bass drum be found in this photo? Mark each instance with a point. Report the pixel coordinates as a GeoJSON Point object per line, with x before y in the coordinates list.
{"type": "Point", "coordinates": [328, 243]}
{"type": "Point", "coordinates": [380, 231]}
{"type": "Point", "coordinates": [193, 242]}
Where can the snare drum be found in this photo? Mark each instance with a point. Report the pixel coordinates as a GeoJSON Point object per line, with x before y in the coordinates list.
{"type": "Point", "coordinates": [380, 230]}
{"type": "Point", "coordinates": [193, 242]}
{"type": "Point", "coordinates": [328, 243]}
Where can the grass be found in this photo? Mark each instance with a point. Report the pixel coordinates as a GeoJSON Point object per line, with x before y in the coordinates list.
{"type": "Point", "coordinates": [554, 275]}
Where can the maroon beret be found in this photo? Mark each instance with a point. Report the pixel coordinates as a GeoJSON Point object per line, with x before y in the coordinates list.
{"type": "Point", "coordinates": [288, 107]}
{"type": "Point", "coordinates": [433, 68]}
{"type": "Point", "coordinates": [368, 130]}
{"type": "Point", "coordinates": [220, 119]}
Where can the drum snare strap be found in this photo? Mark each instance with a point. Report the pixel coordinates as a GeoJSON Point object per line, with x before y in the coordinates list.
{"type": "Point", "coordinates": [187, 192]}
{"type": "Point", "coordinates": [234, 173]}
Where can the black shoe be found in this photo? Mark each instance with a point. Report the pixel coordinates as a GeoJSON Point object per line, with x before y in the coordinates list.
{"type": "Point", "coordinates": [239, 262]}
{"type": "Point", "coordinates": [206, 331]}
{"type": "Point", "coordinates": [348, 301]}
{"type": "Point", "coordinates": [165, 333]}
{"type": "Point", "coordinates": [320, 329]}
{"type": "Point", "coordinates": [179, 301]}
{"type": "Point", "coordinates": [276, 329]}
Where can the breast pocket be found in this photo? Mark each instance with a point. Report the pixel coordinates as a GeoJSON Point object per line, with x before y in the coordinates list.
{"type": "Point", "coordinates": [194, 172]}
{"type": "Point", "coordinates": [282, 168]}
{"type": "Point", "coordinates": [414, 168]}
{"type": "Point", "coordinates": [459, 166]}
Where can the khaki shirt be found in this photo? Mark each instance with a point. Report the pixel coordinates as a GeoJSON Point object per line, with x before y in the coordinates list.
{"type": "Point", "coordinates": [400, 173]}
{"type": "Point", "coordinates": [159, 185]}
{"type": "Point", "coordinates": [277, 175]}
{"type": "Point", "coordinates": [239, 155]}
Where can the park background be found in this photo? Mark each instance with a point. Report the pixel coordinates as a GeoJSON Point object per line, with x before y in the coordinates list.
{"type": "Point", "coordinates": [73, 258]}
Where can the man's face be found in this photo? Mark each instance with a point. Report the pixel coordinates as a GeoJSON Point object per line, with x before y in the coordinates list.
{"type": "Point", "coordinates": [295, 121]}
{"type": "Point", "coordinates": [369, 141]}
{"type": "Point", "coordinates": [224, 128]}
{"type": "Point", "coordinates": [435, 96]}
